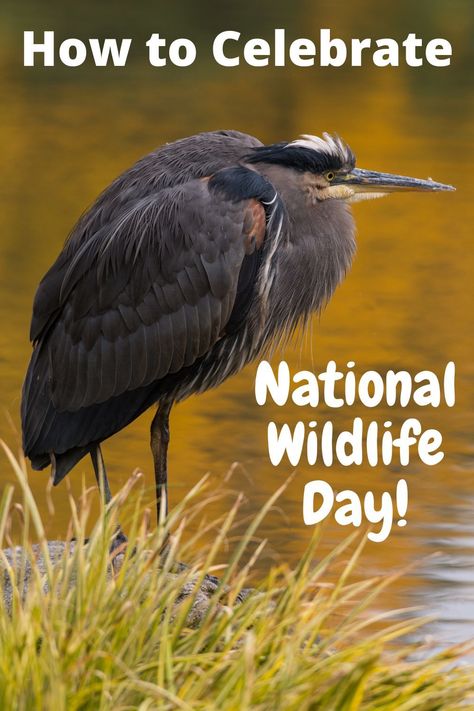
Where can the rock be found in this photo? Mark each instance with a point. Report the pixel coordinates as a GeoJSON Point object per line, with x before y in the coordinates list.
{"type": "Point", "coordinates": [15, 558]}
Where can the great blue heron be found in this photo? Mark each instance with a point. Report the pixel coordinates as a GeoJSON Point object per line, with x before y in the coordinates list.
{"type": "Point", "coordinates": [185, 269]}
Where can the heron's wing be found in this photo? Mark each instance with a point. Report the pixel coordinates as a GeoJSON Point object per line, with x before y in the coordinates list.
{"type": "Point", "coordinates": [148, 294]}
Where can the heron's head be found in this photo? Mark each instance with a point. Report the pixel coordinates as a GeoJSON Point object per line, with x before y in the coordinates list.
{"type": "Point", "coordinates": [326, 169]}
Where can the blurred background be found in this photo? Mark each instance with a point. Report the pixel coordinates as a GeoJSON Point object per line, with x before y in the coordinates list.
{"type": "Point", "coordinates": [408, 302]}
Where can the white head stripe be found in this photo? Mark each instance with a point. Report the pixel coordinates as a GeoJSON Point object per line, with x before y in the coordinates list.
{"type": "Point", "coordinates": [332, 145]}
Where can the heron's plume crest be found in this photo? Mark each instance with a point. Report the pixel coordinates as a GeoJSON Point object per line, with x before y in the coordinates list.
{"type": "Point", "coordinates": [307, 153]}
{"type": "Point", "coordinates": [333, 146]}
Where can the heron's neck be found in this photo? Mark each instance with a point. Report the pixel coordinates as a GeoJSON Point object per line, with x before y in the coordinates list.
{"type": "Point", "coordinates": [312, 260]}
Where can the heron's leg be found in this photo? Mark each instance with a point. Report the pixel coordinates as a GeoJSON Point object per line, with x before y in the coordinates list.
{"type": "Point", "coordinates": [103, 483]}
{"type": "Point", "coordinates": [101, 474]}
{"type": "Point", "coordinates": [160, 437]}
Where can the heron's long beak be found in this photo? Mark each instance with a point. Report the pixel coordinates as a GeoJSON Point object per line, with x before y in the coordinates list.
{"type": "Point", "coordinates": [369, 181]}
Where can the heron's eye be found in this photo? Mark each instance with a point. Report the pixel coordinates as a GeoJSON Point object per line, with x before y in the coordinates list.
{"type": "Point", "coordinates": [330, 176]}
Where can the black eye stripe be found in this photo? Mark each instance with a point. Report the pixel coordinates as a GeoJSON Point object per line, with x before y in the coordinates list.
{"type": "Point", "coordinates": [301, 158]}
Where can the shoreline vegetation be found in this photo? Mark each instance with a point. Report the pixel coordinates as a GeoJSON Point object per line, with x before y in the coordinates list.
{"type": "Point", "coordinates": [148, 632]}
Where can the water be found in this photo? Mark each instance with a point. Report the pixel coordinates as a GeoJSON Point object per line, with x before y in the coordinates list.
{"type": "Point", "coordinates": [407, 302]}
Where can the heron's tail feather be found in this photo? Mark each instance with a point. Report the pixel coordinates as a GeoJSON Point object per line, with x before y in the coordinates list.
{"type": "Point", "coordinates": [63, 438]}
{"type": "Point", "coordinates": [35, 406]}
{"type": "Point", "coordinates": [41, 424]}
{"type": "Point", "coordinates": [61, 464]}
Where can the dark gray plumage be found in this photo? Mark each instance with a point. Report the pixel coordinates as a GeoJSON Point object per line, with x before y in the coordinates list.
{"type": "Point", "coordinates": [185, 269]}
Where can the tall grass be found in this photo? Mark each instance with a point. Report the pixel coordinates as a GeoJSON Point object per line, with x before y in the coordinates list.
{"type": "Point", "coordinates": [149, 633]}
